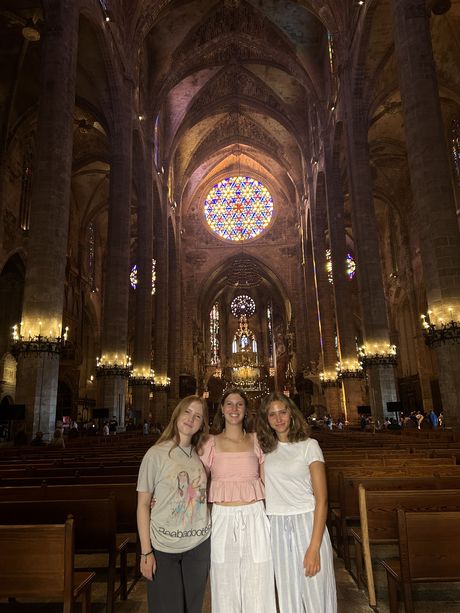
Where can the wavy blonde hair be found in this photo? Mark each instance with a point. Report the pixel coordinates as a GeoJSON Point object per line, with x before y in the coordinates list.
{"type": "Point", "coordinates": [298, 429]}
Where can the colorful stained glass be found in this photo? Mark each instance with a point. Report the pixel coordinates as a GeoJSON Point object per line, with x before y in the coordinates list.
{"type": "Point", "coordinates": [238, 208]}
{"type": "Point", "coordinates": [154, 276]}
{"type": "Point", "coordinates": [329, 265]}
{"type": "Point", "coordinates": [350, 266]}
{"type": "Point", "coordinates": [242, 305]}
{"type": "Point", "coordinates": [214, 334]}
{"type": "Point", "coordinates": [133, 276]}
{"type": "Point", "coordinates": [456, 148]}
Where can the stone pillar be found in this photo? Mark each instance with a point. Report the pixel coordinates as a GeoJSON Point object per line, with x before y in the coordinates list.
{"type": "Point", "coordinates": [142, 355]}
{"type": "Point", "coordinates": [175, 321]}
{"type": "Point", "coordinates": [352, 387]}
{"type": "Point", "coordinates": [434, 203]}
{"type": "Point", "coordinates": [374, 317]}
{"type": "Point", "coordinates": [160, 396]}
{"type": "Point", "coordinates": [324, 299]}
{"type": "Point", "coordinates": [113, 366]}
{"type": "Point", "coordinates": [38, 371]}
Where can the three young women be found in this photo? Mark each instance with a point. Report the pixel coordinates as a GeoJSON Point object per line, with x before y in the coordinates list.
{"type": "Point", "coordinates": [241, 560]}
{"type": "Point", "coordinates": [296, 503]}
{"type": "Point", "coordinates": [172, 513]}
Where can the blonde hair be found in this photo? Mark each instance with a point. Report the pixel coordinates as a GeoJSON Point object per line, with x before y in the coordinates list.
{"type": "Point", "coordinates": [171, 432]}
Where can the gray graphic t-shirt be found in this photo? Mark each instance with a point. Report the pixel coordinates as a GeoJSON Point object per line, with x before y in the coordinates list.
{"type": "Point", "coordinates": [180, 518]}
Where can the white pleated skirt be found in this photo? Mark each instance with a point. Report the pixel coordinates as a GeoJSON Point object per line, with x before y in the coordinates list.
{"type": "Point", "coordinates": [290, 538]}
{"type": "Point", "coordinates": [242, 577]}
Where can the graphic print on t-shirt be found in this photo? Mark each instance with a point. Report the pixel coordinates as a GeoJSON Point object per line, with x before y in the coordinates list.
{"type": "Point", "coordinates": [190, 495]}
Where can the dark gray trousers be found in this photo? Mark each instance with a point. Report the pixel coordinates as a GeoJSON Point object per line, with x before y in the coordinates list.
{"type": "Point", "coordinates": [180, 580]}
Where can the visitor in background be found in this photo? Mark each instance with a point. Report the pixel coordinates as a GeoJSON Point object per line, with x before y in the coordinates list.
{"type": "Point", "coordinates": [172, 513]}
{"type": "Point", "coordinates": [241, 561]}
{"type": "Point", "coordinates": [296, 504]}
{"type": "Point", "coordinates": [38, 441]}
{"type": "Point", "coordinates": [57, 440]}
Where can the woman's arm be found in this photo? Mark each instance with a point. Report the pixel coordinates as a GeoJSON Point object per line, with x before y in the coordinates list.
{"type": "Point", "coordinates": [148, 562]}
{"type": "Point", "coordinates": [312, 561]}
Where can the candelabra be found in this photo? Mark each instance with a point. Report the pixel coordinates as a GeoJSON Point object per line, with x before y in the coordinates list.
{"type": "Point", "coordinates": [143, 377]}
{"type": "Point", "coordinates": [444, 332]}
{"type": "Point", "coordinates": [113, 366]}
{"type": "Point", "coordinates": [378, 355]}
{"type": "Point", "coordinates": [161, 383]}
{"type": "Point", "coordinates": [329, 379]}
{"type": "Point", "coordinates": [53, 344]}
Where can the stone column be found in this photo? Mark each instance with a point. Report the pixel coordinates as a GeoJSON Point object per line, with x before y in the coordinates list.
{"type": "Point", "coordinates": [175, 322]}
{"type": "Point", "coordinates": [374, 317]}
{"type": "Point", "coordinates": [113, 369]}
{"type": "Point", "coordinates": [434, 202]}
{"type": "Point", "coordinates": [352, 388]}
{"type": "Point", "coordinates": [160, 396]}
{"type": "Point", "coordinates": [324, 299]}
{"type": "Point", "coordinates": [142, 355]}
{"type": "Point", "coordinates": [38, 371]}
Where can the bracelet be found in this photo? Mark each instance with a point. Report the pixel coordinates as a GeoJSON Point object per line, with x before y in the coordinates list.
{"type": "Point", "coordinates": [147, 554]}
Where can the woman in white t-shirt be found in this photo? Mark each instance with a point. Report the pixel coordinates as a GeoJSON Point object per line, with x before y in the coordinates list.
{"type": "Point", "coordinates": [296, 503]}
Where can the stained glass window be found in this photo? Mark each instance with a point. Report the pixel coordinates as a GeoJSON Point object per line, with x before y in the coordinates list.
{"type": "Point", "coordinates": [26, 186]}
{"type": "Point", "coordinates": [242, 305]}
{"type": "Point", "coordinates": [154, 275]}
{"type": "Point", "coordinates": [456, 148]}
{"type": "Point", "coordinates": [92, 255]}
{"type": "Point", "coordinates": [329, 265]}
{"type": "Point", "coordinates": [270, 331]}
{"type": "Point", "coordinates": [238, 208]}
{"type": "Point", "coordinates": [350, 266]}
{"type": "Point", "coordinates": [330, 45]}
{"type": "Point", "coordinates": [133, 276]}
{"type": "Point", "coordinates": [214, 333]}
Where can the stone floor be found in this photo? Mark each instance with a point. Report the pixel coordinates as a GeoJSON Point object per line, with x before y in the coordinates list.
{"type": "Point", "coordinates": [350, 600]}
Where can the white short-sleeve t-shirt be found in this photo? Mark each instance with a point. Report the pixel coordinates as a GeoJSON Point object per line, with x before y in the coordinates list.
{"type": "Point", "coordinates": [288, 489]}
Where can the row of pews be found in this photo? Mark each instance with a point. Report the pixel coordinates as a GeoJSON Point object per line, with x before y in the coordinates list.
{"type": "Point", "coordinates": [395, 511]}
{"type": "Point", "coordinates": [57, 506]}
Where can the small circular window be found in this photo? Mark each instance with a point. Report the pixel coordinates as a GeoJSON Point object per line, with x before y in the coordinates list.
{"type": "Point", "coordinates": [238, 208]}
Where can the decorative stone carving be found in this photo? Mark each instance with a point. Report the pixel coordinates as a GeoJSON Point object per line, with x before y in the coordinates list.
{"type": "Point", "coordinates": [232, 81]}
{"type": "Point", "coordinates": [237, 126]}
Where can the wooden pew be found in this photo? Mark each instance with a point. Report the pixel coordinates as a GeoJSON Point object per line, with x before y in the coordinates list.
{"type": "Point", "coordinates": [378, 519]}
{"type": "Point", "coordinates": [429, 551]}
{"type": "Point", "coordinates": [347, 513]}
{"type": "Point", "coordinates": [37, 562]}
{"type": "Point", "coordinates": [125, 498]}
{"type": "Point", "coordinates": [95, 532]}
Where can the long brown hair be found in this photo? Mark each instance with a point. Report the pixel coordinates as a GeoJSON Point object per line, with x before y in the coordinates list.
{"type": "Point", "coordinates": [298, 429]}
{"type": "Point", "coordinates": [171, 432]}
{"type": "Point", "coordinates": [218, 423]}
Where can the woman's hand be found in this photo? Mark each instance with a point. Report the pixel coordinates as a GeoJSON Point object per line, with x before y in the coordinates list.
{"type": "Point", "coordinates": [312, 562]}
{"type": "Point", "coordinates": [148, 566]}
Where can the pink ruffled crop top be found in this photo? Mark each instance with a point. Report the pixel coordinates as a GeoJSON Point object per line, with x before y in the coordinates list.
{"type": "Point", "coordinates": [234, 475]}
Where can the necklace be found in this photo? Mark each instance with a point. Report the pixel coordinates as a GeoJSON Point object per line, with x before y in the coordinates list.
{"type": "Point", "coordinates": [232, 440]}
{"type": "Point", "coordinates": [188, 451]}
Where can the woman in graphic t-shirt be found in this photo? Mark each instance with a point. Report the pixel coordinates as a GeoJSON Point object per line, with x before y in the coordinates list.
{"type": "Point", "coordinates": [174, 531]}
{"type": "Point", "coordinates": [241, 561]}
{"type": "Point", "coordinates": [296, 503]}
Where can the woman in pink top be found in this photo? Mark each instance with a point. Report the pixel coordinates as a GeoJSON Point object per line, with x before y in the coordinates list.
{"type": "Point", "coordinates": [241, 560]}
